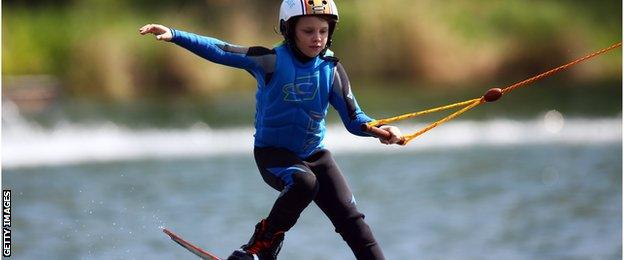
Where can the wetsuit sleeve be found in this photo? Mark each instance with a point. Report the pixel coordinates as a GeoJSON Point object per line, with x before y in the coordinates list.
{"type": "Point", "coordinates": [258, 61]}
{"type": "Point", "coordinates": [343, 101]}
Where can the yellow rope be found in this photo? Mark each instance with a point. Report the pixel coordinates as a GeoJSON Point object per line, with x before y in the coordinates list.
{"type": "Point", "coordinates": [474, 103]}
{"type": "Point", "coordinates": [470, 104]}
{"type": "Point", "coordinates": [415, 114]}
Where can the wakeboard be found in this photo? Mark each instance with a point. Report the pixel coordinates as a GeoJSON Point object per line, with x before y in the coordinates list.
{"type": "Point", "coordinates": [203, 254]}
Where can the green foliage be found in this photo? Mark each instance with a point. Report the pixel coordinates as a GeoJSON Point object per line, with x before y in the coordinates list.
{"type": "Point", "coordinates": [34, 41]}
{"type": "Point", "coordinates": [94, 48]}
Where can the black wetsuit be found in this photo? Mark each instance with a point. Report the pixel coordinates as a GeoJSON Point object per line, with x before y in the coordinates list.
{"type": "Point", "coordinates": [292, 99]}
{"type": "Point", "coordinates": [316, 178]}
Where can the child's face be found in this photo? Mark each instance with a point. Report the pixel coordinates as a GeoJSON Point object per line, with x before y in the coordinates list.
{"type": "Point", "coordinates": [311, 35]}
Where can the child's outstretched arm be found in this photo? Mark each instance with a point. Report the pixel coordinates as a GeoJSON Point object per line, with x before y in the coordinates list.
{"type": "Point", "coordinates": [256, 60]}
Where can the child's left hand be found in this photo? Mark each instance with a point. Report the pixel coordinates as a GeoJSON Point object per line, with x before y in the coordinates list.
{"type": "Point", "coordinates": [394, 132]}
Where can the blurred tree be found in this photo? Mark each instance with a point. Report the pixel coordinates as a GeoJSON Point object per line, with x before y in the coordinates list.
{"type": "Point", "coordinates": [92, 45]}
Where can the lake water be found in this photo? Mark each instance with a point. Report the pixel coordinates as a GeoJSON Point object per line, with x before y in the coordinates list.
{"type": "Point", "coordinates": [547, 188]}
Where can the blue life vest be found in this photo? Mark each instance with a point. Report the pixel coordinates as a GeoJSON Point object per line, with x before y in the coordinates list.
{"type": "Point", "coordinates": [291, 103]}
{"type": "Point", "coordinates": [291, 107]}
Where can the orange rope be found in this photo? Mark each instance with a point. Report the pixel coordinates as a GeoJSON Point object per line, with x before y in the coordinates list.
{"type": "Point", "coordinates": [558, 69]}
{"type": "Point", "coordinates": [470, 104]}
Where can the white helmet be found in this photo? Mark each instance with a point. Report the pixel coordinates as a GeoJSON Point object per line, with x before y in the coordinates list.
{"type": "Point", "coordinates": [294, 8]}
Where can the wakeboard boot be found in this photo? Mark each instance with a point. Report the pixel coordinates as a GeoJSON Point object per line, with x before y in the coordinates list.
{"type": "Point", "coordinates": [264, 244]}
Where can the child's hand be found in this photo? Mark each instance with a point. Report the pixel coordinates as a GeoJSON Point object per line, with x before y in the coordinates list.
{"type": "Point", "coordinates": [394, 132]}
{"type": "Point", "coordinates": [162, 33]}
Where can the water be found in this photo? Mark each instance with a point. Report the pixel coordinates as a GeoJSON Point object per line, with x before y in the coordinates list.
{"type": "Point", "coordinates": [548, 188]}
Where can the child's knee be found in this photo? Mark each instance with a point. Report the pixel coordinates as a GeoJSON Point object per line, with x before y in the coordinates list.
{"type": "Point", "coordinates": [305, 183]}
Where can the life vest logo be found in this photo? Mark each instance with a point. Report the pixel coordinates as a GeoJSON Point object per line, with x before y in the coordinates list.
{"type": "Point", "coordinates": [303, 89]}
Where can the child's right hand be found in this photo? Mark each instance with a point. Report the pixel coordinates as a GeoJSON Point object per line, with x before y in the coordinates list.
{"type": "Point", "coordinates": [162, 33]}
{"type": "Point", "coordinates": [395, 135]}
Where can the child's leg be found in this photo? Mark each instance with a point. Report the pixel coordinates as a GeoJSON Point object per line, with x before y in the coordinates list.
{"type": "Point", "coordinates": [285, 172]}
{"type": "Point", "coordinates": [337, 202]}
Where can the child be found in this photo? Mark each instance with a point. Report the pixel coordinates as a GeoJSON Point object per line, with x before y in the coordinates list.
{"type": "Point", "coordinates": [297, 80]}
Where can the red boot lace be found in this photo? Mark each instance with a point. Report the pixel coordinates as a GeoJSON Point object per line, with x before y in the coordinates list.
{"type": "Point", "coordinates": [260, 244]}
